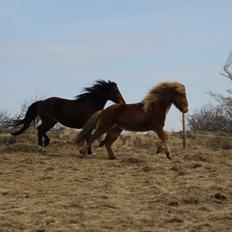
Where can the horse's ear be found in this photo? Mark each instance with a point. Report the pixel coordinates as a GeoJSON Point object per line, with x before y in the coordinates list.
{"type": "Point", "coordinates": [111, 82]}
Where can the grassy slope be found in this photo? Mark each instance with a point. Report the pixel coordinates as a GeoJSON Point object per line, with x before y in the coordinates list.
{"type": "Point", "coordinates": [140, 191]}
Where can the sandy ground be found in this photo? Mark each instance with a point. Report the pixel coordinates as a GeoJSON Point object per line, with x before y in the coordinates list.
{"type": "Point", "coordinates": [140, 191]}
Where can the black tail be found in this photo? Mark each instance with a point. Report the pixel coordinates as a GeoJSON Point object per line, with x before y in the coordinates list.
{"type": "Point", "coordinates": [88, 128]}
{"type": "Point", "coordinates": [30, 116]}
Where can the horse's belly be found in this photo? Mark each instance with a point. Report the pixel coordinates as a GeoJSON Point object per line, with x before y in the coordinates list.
{"type": "Point", "coordinates": [72, 122]}
{"type": "Point", "coordinates": [138, 129]}
{"type": "Point", "coordinates": [134, 126]}
{"type": "Point", "coordinates": [72, 125]}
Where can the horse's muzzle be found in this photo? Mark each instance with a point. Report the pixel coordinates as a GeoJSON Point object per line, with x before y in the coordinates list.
{"type": "Point", "coordinates": [185, 110]}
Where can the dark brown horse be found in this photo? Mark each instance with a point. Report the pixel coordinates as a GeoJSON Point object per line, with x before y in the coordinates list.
{"type": "Point", "coordinates": [147, 115]}
{"type": "Point", "coordinates": [70, 113]}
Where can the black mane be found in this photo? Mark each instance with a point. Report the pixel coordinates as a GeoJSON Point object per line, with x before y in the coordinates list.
{"type": "Point", "coordinates": [99, 89]}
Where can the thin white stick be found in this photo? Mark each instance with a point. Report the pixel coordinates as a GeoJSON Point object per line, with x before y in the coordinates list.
{"type": "Point", "coordinates": [184, 130]}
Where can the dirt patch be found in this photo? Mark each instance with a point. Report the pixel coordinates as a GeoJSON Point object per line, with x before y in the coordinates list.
{"type": "Point", "coordinates": [139, 191]}
{"type": "Point", "coordinates": [133, 161]}
{"type": "Point", "coordinates": [20, 147]}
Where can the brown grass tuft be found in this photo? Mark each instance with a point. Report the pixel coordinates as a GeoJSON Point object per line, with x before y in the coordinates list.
{"type": "Point", "coordinates": [140, 191]}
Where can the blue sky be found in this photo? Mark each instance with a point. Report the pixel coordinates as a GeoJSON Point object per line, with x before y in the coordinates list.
{"type": "Point", "coordinates": [57, 47]}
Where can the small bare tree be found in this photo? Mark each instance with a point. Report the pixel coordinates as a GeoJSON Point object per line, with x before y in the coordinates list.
{"type": "Point", "coordinates": [210, 118]}
{"type": "Point", "coordinates": [4, 122]}
{"type": "Point", "coordinates": [227, 68]}
{"type": "Point", "coordinates": [215, 117]}
{"type": "Point", "coordinates": [226, 101]}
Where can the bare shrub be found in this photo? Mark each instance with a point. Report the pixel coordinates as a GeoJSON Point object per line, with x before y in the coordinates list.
{"type": "Point", "coordinates": [6, 139]}
{"type": "Point", "coordinates": [210, 118]}
{"type": "Point", "coordinates": [227, 68]}
{"type": "Point", "coordinates": [215, 117]}
{"type": "Point", "coordinates": [4, 122]}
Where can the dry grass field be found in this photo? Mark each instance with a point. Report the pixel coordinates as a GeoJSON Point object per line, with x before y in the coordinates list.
{"type": "Point", "coordinates": [138, 192]}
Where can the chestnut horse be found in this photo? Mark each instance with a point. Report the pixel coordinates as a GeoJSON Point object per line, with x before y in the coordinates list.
{"type": "Point", "coordinates": [147, 115]}
{"type": "Point", "coordinates": [70, 113]}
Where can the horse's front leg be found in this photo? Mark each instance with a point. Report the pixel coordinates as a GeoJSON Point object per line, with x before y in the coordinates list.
{"type": "Point", "coordinates": [111, 137]}
{"type": "Point", "coordinates": [90, 152]}
{"type": "Point", "coordinates": [160, 148]}
{"type": "Point", "coordinates": [83, 151]}
{"type": "Point", "coordinates": [164, 138]}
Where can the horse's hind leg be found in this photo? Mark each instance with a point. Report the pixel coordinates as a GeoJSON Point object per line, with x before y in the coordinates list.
{"type": "Point", "coordinates": [164, 138]}
{"type": "Point", "coordinates": [90, 152]}
{"type": "Point", "coordinates": [46, 140]}
{"type": "Point", "coordinates": [101, 128]}
{"type": "Point", "coordinates": [42, 129]}
{"type": "Point", "coordinates": [82, 150]}
{"type": "Point", "coordinates": [90, 140]}
{"type": "Point", "coordinates": [111, 137]}
{"type": "Point", "coordinates": [160, 148]}
{"type": "Point", "coordinates": [40, 138]}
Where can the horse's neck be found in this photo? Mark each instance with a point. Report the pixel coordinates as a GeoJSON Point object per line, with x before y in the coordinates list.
{"type": "Point", "coordinates": [100, 103]}
{"type": "Point", "coordinates": [96, 103]}
{"type": "Point", "coordinates": [166, 107]}
{"type": "Point", "coordinates": [166, 104]}
{"type": "Point", "coordinates": [161, 107]}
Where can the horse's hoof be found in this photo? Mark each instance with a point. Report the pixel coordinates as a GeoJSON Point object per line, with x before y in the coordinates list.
{"type": "Point", "coordinates": [112, 157]}
{"type": "Point", "coordinates": [42, 149]}
{"type": "Point", "coordinates": [91, 154]}
{"type": "Point", "coordinates": [82, 151]}
{"type": "Point", "coordinates": [83, 157]}
{"type": "Point", "coordinates": [168, 156]}
{"type": "Point", "coordinates": [90, 157]}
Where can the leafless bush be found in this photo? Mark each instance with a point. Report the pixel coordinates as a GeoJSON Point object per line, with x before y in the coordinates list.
{"type": "Point", "coordinates": [227, 68]}
{"type": "Point", "coordinates": [218, 117]}
{"type": "Point", "coordinates": [225, 102]}
{"type": "Point", "coordinates": [4, 122]}
{"type": "Point", "coordinates": [210, 118]}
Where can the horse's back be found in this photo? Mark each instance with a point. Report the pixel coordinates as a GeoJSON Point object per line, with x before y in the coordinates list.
{"type": "Point", "coordinates": [70, 113]}
{"type": "Point", "coordinates": [55, 106]}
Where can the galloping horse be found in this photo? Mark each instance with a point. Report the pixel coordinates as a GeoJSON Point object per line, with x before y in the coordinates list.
{"type": "Point", "coordinates": [147, 115]}
{"type": "Point", "coordinates": [70, 113]}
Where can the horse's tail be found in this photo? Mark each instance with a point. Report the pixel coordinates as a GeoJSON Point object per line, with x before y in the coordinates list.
{"type": "Point", "coordinates": [88, 128]}
{"type": "Point", "coordinates": [30, 116]}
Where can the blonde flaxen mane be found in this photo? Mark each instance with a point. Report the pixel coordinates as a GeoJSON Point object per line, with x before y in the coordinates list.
{"type": "Point", "coordinates": [161, 91]}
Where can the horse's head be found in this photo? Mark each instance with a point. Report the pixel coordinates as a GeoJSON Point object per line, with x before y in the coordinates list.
{"type": "Point", "coordinates": [114, 93]}
{"type": "Point", "coordinates": [180, 99]}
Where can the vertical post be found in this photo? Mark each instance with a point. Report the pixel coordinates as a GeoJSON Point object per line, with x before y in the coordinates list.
{"type": "Point", "coordinates": [184, 130]}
